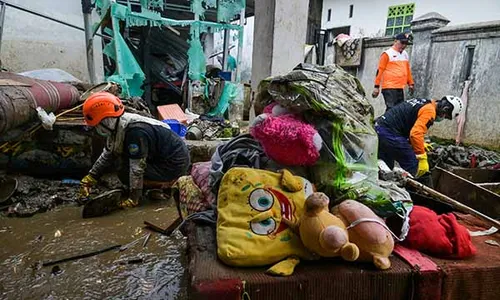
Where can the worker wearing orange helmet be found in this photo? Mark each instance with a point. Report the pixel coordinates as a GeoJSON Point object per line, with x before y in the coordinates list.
{"type": "Point", "coordinates": [148, 149]}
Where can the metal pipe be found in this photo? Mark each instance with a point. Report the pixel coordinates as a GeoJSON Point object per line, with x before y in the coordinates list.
{"type": "Point", "coordinates": [89, 39]}
{"type": "Point", "coordinates": [3, 7]}
{"type": "Point", "coordinates": [225, 56]}
{"type": "Point", "coordinates": [2, 2]}
{"type": "Point", "coordinates": [240, 45]}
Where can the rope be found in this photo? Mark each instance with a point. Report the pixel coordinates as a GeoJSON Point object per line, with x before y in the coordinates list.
{"type": "Point", "coordinates": [359, 221]}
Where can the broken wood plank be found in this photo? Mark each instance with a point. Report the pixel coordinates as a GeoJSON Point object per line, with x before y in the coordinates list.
{"type": "Point", "coordinates": [454, 203]}
{"type": "Point", "coordinates": [467, 192]}
{"type": "Point", "coordinates": [168, 231]}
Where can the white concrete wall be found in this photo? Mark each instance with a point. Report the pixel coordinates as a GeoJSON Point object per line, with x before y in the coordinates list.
{"type": "Point", "coordinates": [290, 29]}
{"type": "Point", "coordinates": [370, 16]}
{"type": "Point", "coordinates": [30, 42]}
{"type": "Point", "coordinates": [279, 37]}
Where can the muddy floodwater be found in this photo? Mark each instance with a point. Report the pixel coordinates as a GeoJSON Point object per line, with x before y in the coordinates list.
{"type": "Point", "coordinates": [155, 271]}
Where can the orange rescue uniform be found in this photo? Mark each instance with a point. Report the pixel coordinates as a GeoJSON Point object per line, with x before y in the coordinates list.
{"type": "Point", "coordinates": [411, 119]}
{"type": "Point", "coordinates": [393, 70]}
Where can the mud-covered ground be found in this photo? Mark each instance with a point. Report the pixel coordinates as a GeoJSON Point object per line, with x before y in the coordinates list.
{"type": "Point", "coordinates": [42, 222]}
{"type": "Point", "coordinates": [38, 195]}
{"type": "Point", "coordinates": [151, 271]}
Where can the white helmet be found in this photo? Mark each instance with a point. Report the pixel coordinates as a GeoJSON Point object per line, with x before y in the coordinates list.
{"type": "Point", "coordinates": [458, 106]}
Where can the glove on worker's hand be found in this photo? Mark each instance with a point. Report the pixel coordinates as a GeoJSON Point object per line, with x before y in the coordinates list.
{"type": "Point", "coordinates": [423, 165]}
{"type": "Point", "coordinates": [428, 147]}
{"type": "Point", "coordinates": [85, 185]}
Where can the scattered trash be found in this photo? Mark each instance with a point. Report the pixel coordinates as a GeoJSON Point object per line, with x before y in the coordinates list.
{"type": "Point", "coordinates": [56, 270]}
{"type": "Point", "coordinates": [131, 261]}
{"type": "Point", "coordinates": [467, 157]}
{"type": "Point", "coordinates": [134, 242]}
{"type": "Point", "coordinates": [102, 205]}
{"type": "Point", "coordinates": [171, 112]}
{"type": "Point", "coordinates": [210, 129]}
{"type": "Point", "coordinates": [56, 75]}
{"type": "Point", "coordinates": [71, 181]}
{"type": "Point", "coordinates": [135, 261]}
{"type": "Point", "coordinates": [176, 127]}
{"type": "Point", "coordinates": [8, 187]}
{"type": "Point", "coordinates": [490, 231]}
{"type": "Point", "coordinates": [138, 230]}
{"type": "Point", "coordinates": [168, 231]}
{"type": "Point", "coordinates": [492, 242]}
{"type": "Point", "coordinates": [48, 120]}
{"type": "Point", "coordinates": [153, 227]}
{"type": "Point", "coordinates": [93, 253]}
{"type": "Point", "coordinates": [146, 240]}
{"type": "Point", "coordinates": [57, 234]}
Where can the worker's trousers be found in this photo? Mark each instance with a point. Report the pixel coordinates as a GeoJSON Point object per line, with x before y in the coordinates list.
{"type": "Point", "coordinates": [393, 97]}
{"type": "Point", "coordinates": [393, 147]}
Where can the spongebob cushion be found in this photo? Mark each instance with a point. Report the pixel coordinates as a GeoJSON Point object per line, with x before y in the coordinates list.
{"type": "Point", "coordinates": [251, 205]}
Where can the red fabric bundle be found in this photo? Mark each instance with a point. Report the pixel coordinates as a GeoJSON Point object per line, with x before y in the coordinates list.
{"type": "Point", "coordinates": [438, 235]}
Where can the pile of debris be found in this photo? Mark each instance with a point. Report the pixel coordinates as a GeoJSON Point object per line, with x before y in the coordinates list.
{"type": "Point", "coordinates": [25, 196]}
{"type": "Point", "coordinates": [467, 157]}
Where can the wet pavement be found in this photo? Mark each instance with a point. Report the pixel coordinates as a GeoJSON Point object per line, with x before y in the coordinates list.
{"type": "Point", "coordinates": [152, 272]}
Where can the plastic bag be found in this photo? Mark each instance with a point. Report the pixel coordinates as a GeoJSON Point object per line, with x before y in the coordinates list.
{"type": "Point", "coordinates": [236, 106]}
{"type": "Point", "coordinates": [230, 92]}
{"type": "Point", "coordinates": [47, 119]}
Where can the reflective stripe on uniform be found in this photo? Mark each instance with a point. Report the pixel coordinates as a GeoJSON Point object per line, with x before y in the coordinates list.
{"type": "Point", "coordinates": [396, 73]}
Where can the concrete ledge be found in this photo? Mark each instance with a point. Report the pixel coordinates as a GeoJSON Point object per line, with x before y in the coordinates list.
{"type": "Point", "coordinates": [482, 30]}
{"type": "Point", "coordinates": [201, 151]}
{"type": "Point", "coordinates": [385, 41]}
{"type": "Point", "coordinates": [429, 21]}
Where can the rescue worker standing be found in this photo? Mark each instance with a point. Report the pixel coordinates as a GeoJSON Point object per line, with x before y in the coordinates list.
{"type": "Point", "coordinates": [151, 154]}
{"type": "Point", "coordinates": [401, 131]}
{"type": "Point", "coordinates": [394, 72]}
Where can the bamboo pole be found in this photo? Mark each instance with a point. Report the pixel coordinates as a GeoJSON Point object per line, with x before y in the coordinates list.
{"type": "Point", "coordinates": [445, 199]}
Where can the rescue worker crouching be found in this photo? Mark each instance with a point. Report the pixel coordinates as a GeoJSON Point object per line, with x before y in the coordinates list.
{"type": "Point", "coordinates": [401, 131]}
{"type": "Point", "coordinates": [151, 154]}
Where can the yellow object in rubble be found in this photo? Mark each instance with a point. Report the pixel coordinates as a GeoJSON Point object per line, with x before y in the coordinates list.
{"type": "Point", "coordinates": [129, 203]}
{"type": "Point", "coordinates": [423, 165]}
{"type": "Point", "coordinates": [251, 206]}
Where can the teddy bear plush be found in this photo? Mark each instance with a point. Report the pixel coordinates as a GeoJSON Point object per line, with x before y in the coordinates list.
{"type": "Point", "coordinates": [367, 231]}
{"type": "Point", "coordinates": [286, 138]}
{"type": "Point", "coordinates": [323, 233]}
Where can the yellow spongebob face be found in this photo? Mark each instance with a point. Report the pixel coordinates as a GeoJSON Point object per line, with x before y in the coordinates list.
{"type": "Point", "coordinates": [270, 206]}
{"type": "Point", "coordinates": [251, 206]}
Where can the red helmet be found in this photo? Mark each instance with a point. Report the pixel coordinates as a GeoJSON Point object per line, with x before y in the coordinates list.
{"type": "Point", "coordinates": [101, 105]}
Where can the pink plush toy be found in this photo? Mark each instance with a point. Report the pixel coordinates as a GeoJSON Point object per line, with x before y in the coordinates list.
{"type": "Point", "coordinates": [285, 138]}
